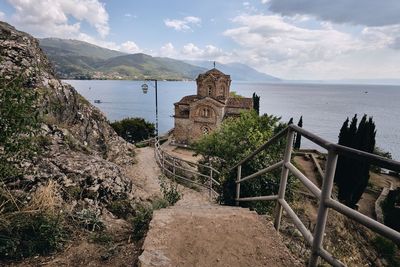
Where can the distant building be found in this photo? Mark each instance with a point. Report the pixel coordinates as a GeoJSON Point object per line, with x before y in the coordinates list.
{"type": "Point", "coordinates": [196, 115]}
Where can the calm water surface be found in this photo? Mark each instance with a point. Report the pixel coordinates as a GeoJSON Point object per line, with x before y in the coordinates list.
{"type": "Point", "coordinates": [324, 107]}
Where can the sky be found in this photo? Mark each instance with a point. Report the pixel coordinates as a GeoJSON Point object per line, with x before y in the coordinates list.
{"type": "Point", "coordinates": [290, 39]}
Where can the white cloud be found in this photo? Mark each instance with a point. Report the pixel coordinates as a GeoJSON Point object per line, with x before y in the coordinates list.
{"type": "Point", "coordinates": [2, 15]}
{"type": "Point", "coordinates": [130, 47]}
{"type": "Point", "coordinates": [209, 52]}
{"type": "Point", "coordinates": [50, 17]}
{"type": "Point", "coordinates": [168, 50]}
{"type": "Point", "coordinates": [276, 45]}
{"type": "Point", "coordinates": [185, 24]}
{"type": "Point", "coordinates": [365, 12]}
{"type": "Point", "coordinates": [272, 39]}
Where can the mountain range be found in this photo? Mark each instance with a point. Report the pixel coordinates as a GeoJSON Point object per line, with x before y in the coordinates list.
{"type": "Point", "coordinates": [75, 59]}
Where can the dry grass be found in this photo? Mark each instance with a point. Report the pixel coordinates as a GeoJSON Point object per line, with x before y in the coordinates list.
{"type": "Point", "coordinates": [46, 198]}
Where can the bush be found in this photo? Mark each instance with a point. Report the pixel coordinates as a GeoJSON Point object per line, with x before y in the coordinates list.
{"type": "Point", "coordinates": [141, 221]}
{"type": "Point", "coordinates": [390, 212]}
{"type": "Point", "coordinates": [122, 208]}
{"type": "Point", "coordinates": [134, 129]}
{"type": "Point", "coordinates": [236, 138]}
{"type": "Point", "coordinates": [386, 249]}
{"type": "Point", "coordinates": [88, 219]}
{"type": "Point", "coordinates": [24, 234]}
{"type": "Point", "coordinates": [169, 190]}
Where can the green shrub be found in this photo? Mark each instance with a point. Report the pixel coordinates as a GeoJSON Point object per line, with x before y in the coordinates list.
{"type": "Point", "coordinates": [387, 249]}
{"type": "Point", "coordinates": [122, 208]}
{"type": "Point", "coordinates": [88, 219]}
{"type": "Point", "coordinates": [143, 216]}
{"type": "Point", "coordinates": [390, 212]}
{"type": "Point", "coordinates": [159, 203]}
{"type": "Point", "coordinates": [233, 141]}
{"type": "Point", "coordinates": [134, 129]}
{"type": "Point", "coordinates": [102, 238]}
{"type": "Point", "coordinates": [24, 234]}
{"type": "Point", "coordinates": [169, 190]}
{"type": "Point", "coordinates": [141, 221]}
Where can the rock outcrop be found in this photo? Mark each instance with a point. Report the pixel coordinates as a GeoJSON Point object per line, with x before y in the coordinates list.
{"type": "Point", "coordinates": [81, 149]}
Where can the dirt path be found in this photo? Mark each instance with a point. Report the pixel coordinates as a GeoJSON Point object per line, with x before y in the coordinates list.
{"type": "Point", "coordinates": [145, 174]}
{"type": "Point", "coordinates": [211, 235]}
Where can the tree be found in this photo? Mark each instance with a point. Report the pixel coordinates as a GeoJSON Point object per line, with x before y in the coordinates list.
{"type": "Point", "coordinates": [290, 121]}
{"type": "Point", "coordinates": [352, 175]}
{"type": "Point", "coordinates": [297, 142]}
{"type": "Point", "coordinates": [19, 122]}
{"type": "Point", "coordinates": [256, 103]}
{"type": "Point", "coordinates": [236, 138]}
{"type": "Point", "coordinates": [134, 129]}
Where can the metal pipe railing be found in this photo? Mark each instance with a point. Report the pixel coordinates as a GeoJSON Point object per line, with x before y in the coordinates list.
{"type": "Point", "coordinates": [170, 164]}
{"type": "Point", "coordinates": [324, 195]}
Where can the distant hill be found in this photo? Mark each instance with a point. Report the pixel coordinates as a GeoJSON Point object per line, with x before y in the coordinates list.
{"type": "Point", "coordinates": [68, 47]}
{"type": "Point", "coordinates": [137, 65]}
{"type": "Point", "coordinates": [74, 59]}
{"type": "Point", "coordinates": [238, 71]}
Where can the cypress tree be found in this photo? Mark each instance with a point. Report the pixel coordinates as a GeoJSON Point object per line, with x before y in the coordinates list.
{"type": "Point", "coordinates": [290, 121]}
{"type": "Point", "coordinates": [297, 142]}
{"type": "Point", "coordinates": [341, 163]}
{"type": "Point", "coordinates": [256, 103]}
{"type": "Point", "coordinates": [352, 175]}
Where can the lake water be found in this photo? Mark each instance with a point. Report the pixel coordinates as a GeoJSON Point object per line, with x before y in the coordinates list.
{"type": "Point", "coordinates": [324, 106]}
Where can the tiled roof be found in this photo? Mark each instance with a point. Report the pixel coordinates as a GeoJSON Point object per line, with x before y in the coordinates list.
{"type": "Point", "coordinates": [244, 103]}
{"type": "Point", "coordinates": [188, 99]}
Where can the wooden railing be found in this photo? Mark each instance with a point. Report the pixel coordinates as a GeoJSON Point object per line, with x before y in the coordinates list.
{"type": "Point", "coordinates": [194, 173]}
{"type": "Point", "coordinates": [324, 195]}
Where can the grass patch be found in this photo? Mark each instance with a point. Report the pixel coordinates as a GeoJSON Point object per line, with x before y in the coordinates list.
{"type": "Point", "coordinates": [25, 234]}
{"type": "Point", "coordinates": [169, 190]}
{"type": "Point", "coordinates": [102, 238]}
{"type": "Point", "coordinates": [122, 208]}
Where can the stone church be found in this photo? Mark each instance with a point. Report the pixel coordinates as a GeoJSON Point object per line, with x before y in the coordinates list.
{"type": "Point", "coordinates": [196, 115]}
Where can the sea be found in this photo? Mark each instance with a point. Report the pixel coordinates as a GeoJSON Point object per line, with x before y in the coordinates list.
{"type": "Point", "coordinates": [324, 107]}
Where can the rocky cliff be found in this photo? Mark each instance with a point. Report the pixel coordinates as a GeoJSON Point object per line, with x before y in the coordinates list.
{"type": "Point", "coordinates": [81, 152]}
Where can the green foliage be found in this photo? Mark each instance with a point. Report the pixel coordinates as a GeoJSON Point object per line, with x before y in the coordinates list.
{"type": "Point", "coordinates": [297, 142]}
{"type": "Point", "coordinates": [134, 129]}
{"type": "Point", "coordinates": [19, 121]}
{"type": "Point", "coordinates": [380, 152]}
{"type": "Point", "coordinates": [102, 237]}
{"type": "Point", "coordinates": [352, 175]}
{"type": "Point", "coordinates": [234, 94]}
{"type": "Point", "coordinates": [170, 190]}
{"type": "Point", "coordinates": [391, 213]}
{"type": "Point", "coordinates": [386, 249]}
{"type": "Point", "coordinates": [122, 208]}
{"type": "Point", "coordinates": [256, 103]}
{"type": "Point", "coordinates": [24, 234]}
{"type": "Point", "coordinates": [88, 219]}
{"type": "Point", "coordinates": [141, 221]}
{"type": "Point", "coordinates": [233, 141]}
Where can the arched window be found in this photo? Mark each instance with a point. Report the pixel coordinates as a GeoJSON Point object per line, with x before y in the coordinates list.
{"type": "Point", "coordinates": [205, 130]}
{"type": "Point", "coordinates": [205, 112]}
